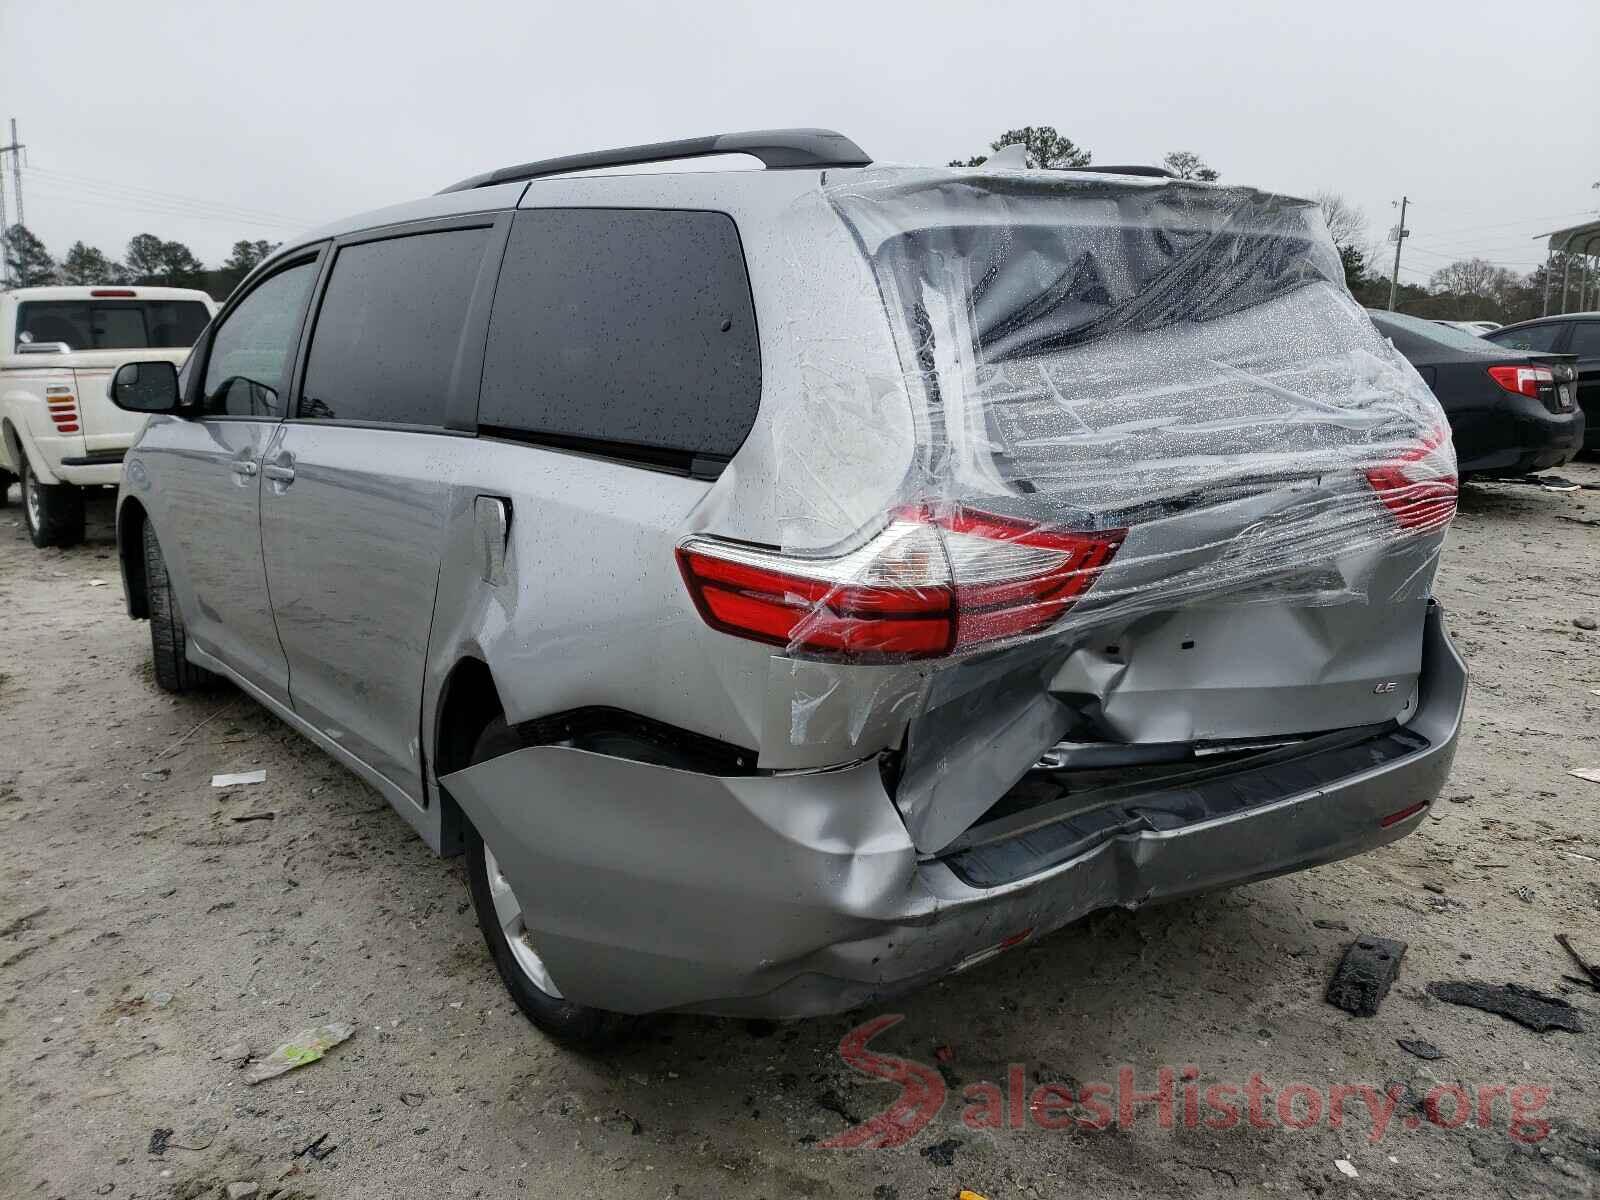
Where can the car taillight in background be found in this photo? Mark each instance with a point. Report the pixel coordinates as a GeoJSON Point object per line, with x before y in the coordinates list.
{"type": "Point", "coordinates": [1552, 385]}
{"type": "Point", "coordinates": [1419, 487]}
{"type": "Point", "coordinates": [929, 584]}
{"type": "Point", "coordinates": [1525, 381]}
{"type": "Point", "coordinates": [62, 404]}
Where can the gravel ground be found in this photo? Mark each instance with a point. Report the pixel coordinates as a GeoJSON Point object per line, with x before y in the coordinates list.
{"type": "Point", "coordinates": [148, 936]}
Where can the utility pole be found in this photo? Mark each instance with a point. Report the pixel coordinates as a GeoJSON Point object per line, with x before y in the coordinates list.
{"type": "Point", "coordinates": [1400, 235]}
{"type": "Point", "coordinates": [5, 263]}
{"type": "Point", "coordinates": [15, 150]}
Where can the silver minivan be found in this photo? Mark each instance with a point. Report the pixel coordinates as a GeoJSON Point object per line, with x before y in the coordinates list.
{"type": "Point", "coordinates": [789, 586]}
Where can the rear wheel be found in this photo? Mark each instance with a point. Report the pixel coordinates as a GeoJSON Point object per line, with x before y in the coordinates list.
{"type": "Point", "coordinates": [500, 916]}
{"type": "Point", "coordinates": [168, 640]}
{"type": "Point", "coordinates": [53, 511]}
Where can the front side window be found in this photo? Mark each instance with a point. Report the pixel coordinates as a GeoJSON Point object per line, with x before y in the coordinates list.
{"type": "Point", "coordinates": [112, 324]}
{"type": "Point", "coordinates": [1537, 338]}
{"type": "Point", "coordinates": [390, 327]}
{"type": "Point", "coordinates": [252, 348]}
{"type": "Point", "coordinates": [626, 327]}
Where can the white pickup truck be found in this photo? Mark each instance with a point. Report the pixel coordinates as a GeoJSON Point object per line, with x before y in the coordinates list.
{"type": "Point", "coordinates": [59, 432]}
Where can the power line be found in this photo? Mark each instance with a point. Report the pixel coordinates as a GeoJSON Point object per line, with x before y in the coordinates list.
{"type": "Point", "coordinates": [1581, 212]}
{"type": "Point", "coordinates": [1430, 252]}
{"type": "Point", "coordinates": [126, 205]}
{"type": "Point", "coordinates": [112, 188]}
{"type": "Point", "coordinates": [162, 200]}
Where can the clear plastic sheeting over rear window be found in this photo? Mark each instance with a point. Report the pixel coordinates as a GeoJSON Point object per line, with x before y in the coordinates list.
{"type": "Point", "coordinates": [1128, 396]}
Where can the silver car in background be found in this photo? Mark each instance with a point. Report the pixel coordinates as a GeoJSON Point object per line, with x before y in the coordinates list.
{"type": "Point", "coordinates": [790, 586]}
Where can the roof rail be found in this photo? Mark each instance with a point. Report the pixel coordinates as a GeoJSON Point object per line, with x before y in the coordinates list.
{"type": "Point", "coordinates": [1152, 172]}
{"type": "Point", "coordinates": [774, 147]}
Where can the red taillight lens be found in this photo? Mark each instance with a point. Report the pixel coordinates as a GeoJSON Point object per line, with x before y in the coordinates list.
{"type": "Point", "coordinates": [1525, 381]}
{"type": "Point", "coordinates": [122, 293]}
{"type": "Point", "coordinates": [1418, 487]}
{"type": "Point", "coordinates": [63, 408]}
{"type": "Point", "coordinates": [926, 586]}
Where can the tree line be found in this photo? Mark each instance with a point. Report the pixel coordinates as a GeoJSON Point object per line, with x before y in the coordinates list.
{"type": "Point", "coordinates": [148, 260]}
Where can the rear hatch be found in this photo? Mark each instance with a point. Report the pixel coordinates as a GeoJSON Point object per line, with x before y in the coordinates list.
{"type": "Point", "coordinates": [1172, 495]}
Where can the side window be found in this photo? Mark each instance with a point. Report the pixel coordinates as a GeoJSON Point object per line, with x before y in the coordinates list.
{"type": "Point", "coordinates": [390, 327]}
{"type": "Point", "coordinates": [624, 326]}
{"type": "Point", "coordinates": [1585, 339]}
{"type": "Point", "coordinates": [1534, 337]}
{"type": "Point", "coordinates": [252, 348]}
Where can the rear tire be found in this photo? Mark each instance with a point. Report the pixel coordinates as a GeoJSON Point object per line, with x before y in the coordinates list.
{"type": "Point", "coordinates": [168, 639]}
{"type": "Point", "coordinates": [560, 1019]}
{"type": "Point", "coordinates": [53, 512]}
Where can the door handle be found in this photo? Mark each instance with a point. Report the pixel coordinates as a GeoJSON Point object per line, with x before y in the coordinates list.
{"type": "Point", "coordinates": [243, 466]}
{"type": "Point", "coordinates": [277, 473]}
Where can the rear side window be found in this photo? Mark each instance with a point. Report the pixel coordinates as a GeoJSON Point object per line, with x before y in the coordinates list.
{"type": "Point", "coordinates": [112, 324]}
{"type": "Point", "coordinates": [390, 327]}
{"type": "Point", "coordinates": [625, 327]}
{"type": "Point", "coordinates": [1585, 339]}
{"type": "Point", "coordinates": [1532, 337]}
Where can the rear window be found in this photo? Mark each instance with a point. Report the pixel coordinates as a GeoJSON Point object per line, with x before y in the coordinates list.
{"type": "Point", "coordinates": [624, 327]}
{"type": "Point", "coordinates": [1112, 344]}
{"type": "Point", "coordinates": [1414, 335]}
{"type": "Point", "coordinates": [112, 324]}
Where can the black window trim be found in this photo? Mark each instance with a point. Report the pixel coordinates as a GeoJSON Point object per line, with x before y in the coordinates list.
{"type": "Point", "coordinates": [461, 405]}
{"type": "Point", "coordinates": [194, 399]}
{"type": "Point", "coordinates": [694, 464]}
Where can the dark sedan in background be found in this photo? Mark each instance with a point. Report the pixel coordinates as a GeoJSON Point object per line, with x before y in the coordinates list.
{"type": "Point", "coordinates": [1511, 411]}
{"type": "Point", "coordinates": [1577, 334]}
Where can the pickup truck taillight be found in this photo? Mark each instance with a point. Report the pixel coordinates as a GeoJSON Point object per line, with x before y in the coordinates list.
{"type": "Point", "coordinates": [1418, 487]}
{"type": "Point", "coordinates": [929, 584]}
{"type": "Point", "coordinates": [63, 406]}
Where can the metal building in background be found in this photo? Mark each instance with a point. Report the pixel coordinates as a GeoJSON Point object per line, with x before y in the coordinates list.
{"type": "Point", "coordinates": [1582, 241]}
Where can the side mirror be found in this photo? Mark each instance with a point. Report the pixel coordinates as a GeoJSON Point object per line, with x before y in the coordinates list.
{"type": "Point", "coordinates": [146, 387]}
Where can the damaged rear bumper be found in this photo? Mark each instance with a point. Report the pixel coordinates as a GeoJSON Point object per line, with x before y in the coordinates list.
{"type": "Point", "coordinates": [648, 888]}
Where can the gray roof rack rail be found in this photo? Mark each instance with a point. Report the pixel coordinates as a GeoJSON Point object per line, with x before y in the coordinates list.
{"type": "Point", "coordinates": [774, 147]}
{"type": "Point", "coordinates": [1152, 172]}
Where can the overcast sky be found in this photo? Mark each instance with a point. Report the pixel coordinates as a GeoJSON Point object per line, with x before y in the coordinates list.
{"type": "Point", "coordinates": [214, 122]}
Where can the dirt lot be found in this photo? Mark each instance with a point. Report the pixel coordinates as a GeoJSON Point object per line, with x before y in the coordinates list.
{"type": "Point", "coordinates": [146, 935]}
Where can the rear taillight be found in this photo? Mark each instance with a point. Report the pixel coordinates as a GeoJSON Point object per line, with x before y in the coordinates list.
{"type": "Point", "coordinates": [929, 584]}
{"type": "Point", "coordinates": [1525, 381]}
{"type": "Point", "coordinates": [1419, 487]}
{"type": "Point", "coordinates": [62, 405]}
